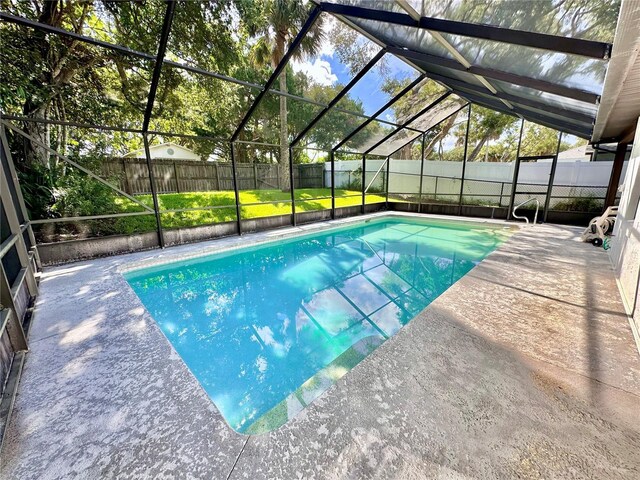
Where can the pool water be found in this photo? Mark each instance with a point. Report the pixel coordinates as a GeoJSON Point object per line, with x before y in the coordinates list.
{"type": "Point", "coordinates": [267, 329]}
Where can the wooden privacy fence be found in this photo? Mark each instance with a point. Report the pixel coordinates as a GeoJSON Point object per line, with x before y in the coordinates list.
{"type": "Point", "coordinates": [177, 176]}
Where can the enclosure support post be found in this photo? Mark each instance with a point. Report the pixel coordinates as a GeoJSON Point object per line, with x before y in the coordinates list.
{"type": "Point", "coordinates": [364, 182]}
{"type": "Point", "coordinates": [552, 174]}
{"type": "Point", "coordinates": [386, 198]}
{"type": "Point", "coordinates": [153, 88]}
{"type": "Point", "coordinates": [616, 172]}
{"type": "Point", "coordinates": [292, 186]}
{"type": "Point", "coordinates": [234, 180]}
{"type": "Point", "coordinates": [421, 174]}
{"type": "Point", "coordinates": [464, 160]}
{"type": "Point", "coordinates": [154, 192]}
{"type": "Point", "coordinates": [516, 170]}
{"type": "Point", "coordinates": [333, 184]}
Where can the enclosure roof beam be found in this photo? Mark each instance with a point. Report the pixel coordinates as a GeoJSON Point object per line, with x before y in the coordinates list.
{"type": "Point", "coordinates": [536, 117]}
{"type": "Point", "coordinates": [541, 85]}
{"type": "Point", "coordinates": [541, 119]}
{"type": "Point", "coordinates": [157, 68]}
{"type": "Point", "coordinates": [446, 44]}
{"type": "Point", "coordinates": [411, 119]}
{"type": "Point", "coordinates": [313, 15]}
{"type": "Point", "coordinates": [555, 43]}
{"type": "Point", "coordinates": [340, 95]}
{"type": "Point", "coordinates": [380, 111]}
{"type": "Point", "coordinates": [576, 117]}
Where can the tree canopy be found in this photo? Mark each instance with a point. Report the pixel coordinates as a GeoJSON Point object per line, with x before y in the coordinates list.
{"type": "Point", "coordinates": [57, 77]}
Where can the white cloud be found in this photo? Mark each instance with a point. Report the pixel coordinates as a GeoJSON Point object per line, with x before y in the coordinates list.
{"type": "Point", "coordinates": [319, 71]}
{"type": "Point", "coordinates": [316, 68]}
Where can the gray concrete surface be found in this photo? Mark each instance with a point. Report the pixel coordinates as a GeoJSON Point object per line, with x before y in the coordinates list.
{"type": "Point", "coordinates": [525, 368]}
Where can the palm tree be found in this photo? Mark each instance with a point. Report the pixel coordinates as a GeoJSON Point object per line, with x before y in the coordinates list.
{"type": "Point", "coordinates": [280, 23]}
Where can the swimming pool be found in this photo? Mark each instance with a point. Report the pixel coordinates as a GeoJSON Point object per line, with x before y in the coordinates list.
{"type": "Point", "coordinates": [266, 329]}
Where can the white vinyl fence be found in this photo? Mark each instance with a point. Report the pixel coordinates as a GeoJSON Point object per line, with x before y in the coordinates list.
{"type": "Point", "coordinates": [483, 180]}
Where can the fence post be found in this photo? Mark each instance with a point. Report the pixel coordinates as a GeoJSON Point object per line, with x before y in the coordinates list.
{"type": "Point", "coordinates": [255, 175]}
{"type": "Point", "coordinates": [125, 184]}
{"type": "Point", "coordinates": [175, 174]}
{"type": "Point", "coordinates": [218, 184]}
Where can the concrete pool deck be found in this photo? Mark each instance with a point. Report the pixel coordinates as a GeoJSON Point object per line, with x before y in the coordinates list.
{"type": "Point", "coordinates": [526, 367]}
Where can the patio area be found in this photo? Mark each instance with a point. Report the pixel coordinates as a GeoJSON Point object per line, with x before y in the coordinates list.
{"type": "Point", "coordinates": [526, 367]}
{"type": "Point", "coordinates": [342, 239]}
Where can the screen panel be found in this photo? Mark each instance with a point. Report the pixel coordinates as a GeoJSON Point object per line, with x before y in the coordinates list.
{"type": "Point", "coordinates": [404, 172]}
{"type": "Point", "coordinates": [444, 155]}
{"type": "Point", "coordinates": [491, 153]}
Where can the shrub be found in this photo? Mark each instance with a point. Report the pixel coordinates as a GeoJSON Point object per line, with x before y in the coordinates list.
{"type": "Point", "coordinates": [582, 204]}
{"type": "Point", "coordinates": [36, 183]}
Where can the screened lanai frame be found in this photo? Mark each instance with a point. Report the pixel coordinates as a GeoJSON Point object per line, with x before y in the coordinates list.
{"type": "Point", "coordinates": [471, 83]}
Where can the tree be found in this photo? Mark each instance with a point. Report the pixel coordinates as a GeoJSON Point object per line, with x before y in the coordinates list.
{"type": "Point", "coordinates": [538, 140]}
{"type": "Point", "coordinates": [55, 77]}
{"type": "Point", "coordinates": [337, 124]}
{"type": "Point", "coordinates": [275, 26]}
{"type": "Point", "coordinates": [64, 78]}
{"type": "Point", "coordinates": [486, 125]}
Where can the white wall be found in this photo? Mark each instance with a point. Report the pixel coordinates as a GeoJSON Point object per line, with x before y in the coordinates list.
{"type": "Point", "coordinates": [625, 244]}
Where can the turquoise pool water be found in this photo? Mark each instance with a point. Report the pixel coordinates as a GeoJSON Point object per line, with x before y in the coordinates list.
{"type": "Point", "coordinates": [266, 329]}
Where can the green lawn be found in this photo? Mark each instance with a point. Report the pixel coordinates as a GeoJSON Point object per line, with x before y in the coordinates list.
{"type": "Point", "coordinates": [306, 200]}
